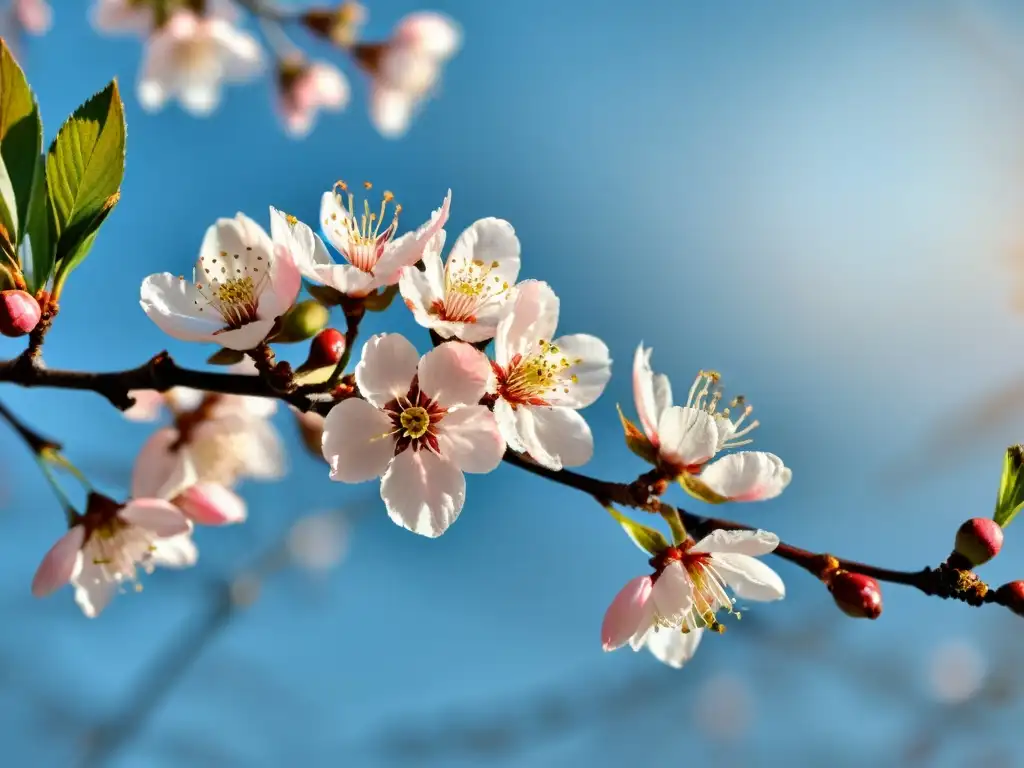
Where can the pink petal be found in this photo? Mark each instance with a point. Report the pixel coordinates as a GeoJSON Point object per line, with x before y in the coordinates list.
{"type": "Point", "coordinates": [626, 613]}
{"type": "Point", "coordinates": [60, 563]}
{"type": "Point", "coordinates": [356, 441]}
{"type": "Point", "coordinates": [747, 476]}
{"type": "Point", "coordinates": [148, 404]}
{"type": "Point", "coordinates": [470, 439]}
{"type": "Point", "coordinates": [688, 436]}
{"type": "Point", "coordinates": [157, 516]}
{"type": "Point", "coordinates": [431, 33]}
{"type": "Point", "coordinates": [454, 373]}
{"type": "Point", "coordinates": [386, 368]}
{"type": "Point", "coordinates": [531, 315]}
{"type": "Point", "coordinates": [211, 504]}
{"type": "Point", "coordinates": [285, 282]}
{"type": "Point", "coordinates": [159, 472]}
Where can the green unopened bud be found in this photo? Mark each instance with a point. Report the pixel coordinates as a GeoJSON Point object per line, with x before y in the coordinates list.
{"type": "Point", "coordinates": [303, 321]}
{"type": "Point", "coordinates": [1011, 486]}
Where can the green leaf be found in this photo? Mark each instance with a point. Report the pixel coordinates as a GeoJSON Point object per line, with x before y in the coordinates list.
{"type": "Point", "coordinates": [697, 488]}
{"type": "Point", "coordinates": [73, 248]}
{"type": "Point", "coordinates": [648, 539]}
{"type": "Point", "coordinates": [636, 440]}
{"type": "Point", "coordinates": [84, 169]}
{"type": "Point", "coordinates": [8, 208]}
{"type": "Point", "coordinates": [225, 356]}
{"type": "Point", "coordinates": [1011, 487]}
{"type": "Point", "coordinates": [380, 300]}
{"type": "Point", "coordinates": [310, 376]}
{"type": "Point", "coordinates": [326, 295]}
{"type": "Point", "coordinates": [21, 135]}
{"type": "Point", "coordinates": [39, 231]}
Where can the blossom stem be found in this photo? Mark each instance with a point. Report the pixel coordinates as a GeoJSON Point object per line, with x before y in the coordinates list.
{"type": "Point", "coordinates": [353, 317]}
{"type": "Point", "coordinates": [43, 450]}
{"type": "Point", "coordinates": [162, 373]}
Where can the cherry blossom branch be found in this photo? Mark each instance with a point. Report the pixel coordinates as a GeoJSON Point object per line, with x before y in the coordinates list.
{"type": "Point", "coordinates": [161, 373]}
{"type": "Point", "coordinates": [35, 441]}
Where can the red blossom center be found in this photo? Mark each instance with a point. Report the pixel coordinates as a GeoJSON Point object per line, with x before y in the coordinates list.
{"type": "Point", "coordinates": [415, 418]}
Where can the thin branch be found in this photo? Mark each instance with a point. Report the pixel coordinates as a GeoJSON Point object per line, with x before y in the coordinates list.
{"type": "Point", "coordinates": [35, 441]}
{"type": "Point", "coordinates": [162, 373]}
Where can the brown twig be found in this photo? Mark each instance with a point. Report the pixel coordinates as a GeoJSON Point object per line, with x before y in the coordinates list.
{"type": "Point", "coordinates": [162, 373]}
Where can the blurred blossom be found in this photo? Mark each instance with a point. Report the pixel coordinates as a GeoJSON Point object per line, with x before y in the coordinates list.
{"type": "Point", "coordinates": [119, 17]}
{"type": "Point", "coordinates": [190, 56]}
{"type": "Point", "coordinates": [407, 68]}
{"type": "Point", "coordinates": [956, 671]}
{"type": "Point", "coordinates": [319, 542]}
{"type": "Point", "coordinates": [725, 706]}
{"type": "Point", "coordinates": [34, 16]}
{"type": "Point", "coordinates": [305, 89]}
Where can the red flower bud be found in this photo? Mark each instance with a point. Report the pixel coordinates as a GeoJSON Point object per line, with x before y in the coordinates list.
{"type": "Point", "coordinates": [19, 313]}
{"type": "Point", "coordinates": [979, 540]}
{"type": "Point", "coordinates": [856, 595]}
{"type": "Point", "coordinates": [326, 348]}
{"type": "Point", "coordinates": [1012, 596]}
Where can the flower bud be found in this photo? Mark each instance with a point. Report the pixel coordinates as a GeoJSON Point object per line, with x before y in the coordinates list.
{"type": "Point", "coordinates": [340, 25]}
{"type": "Point", "coordinates": [19, 313]}
{"type": "Point", "coordinates": [856, 595]}
{"type": "Point", "coordinates": [326, 349]}
{"type": "Point", "coordinates": [1012, 596]}
{"type": "Point", "coordinates": [978, 540]}
{"type": "Point", "coordinates": [302, 321]}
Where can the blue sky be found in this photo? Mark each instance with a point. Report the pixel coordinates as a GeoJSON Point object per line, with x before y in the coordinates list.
{"type": "Point", "coordinates": [821, 200]}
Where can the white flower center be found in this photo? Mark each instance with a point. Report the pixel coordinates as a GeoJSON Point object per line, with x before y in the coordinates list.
{"type": "Point", "coordinates": [220, 456]}
{"type": "Point", "coordinates": [533, 379]}
{"type": "Point", "coordinates": [233, 285]}
{"type": "Point", "coordinates": [116, 546]}
{"type": "Point", "coordinates": [468, 287]}
{"type": "Point", "coordinates": [364, 238]}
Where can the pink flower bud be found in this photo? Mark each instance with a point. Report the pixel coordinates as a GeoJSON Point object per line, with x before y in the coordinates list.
{"type": "Point", "coordinates": [326, 348]}
{"type": "Point", "coordinates": [979, 540]}
{"type": "Point", "coordinates": [1012, 596]}
{"type": "Point", "coordinates": [856, 595]}
{"type": "Point", "coordinates": [19, 313]}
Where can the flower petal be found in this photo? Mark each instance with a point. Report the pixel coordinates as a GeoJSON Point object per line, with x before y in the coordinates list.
{"type": "Point", "coordinates": [430, 33]}
{"type": "Point", "coordinates": [390, 110]}
{"type": "Point", "coordinates": [93, 591]}
{"type": "Point", "coordinates": [60, 563]}
{"type": "Point", "coordinates": [409, 248]}
{"type": "Point", "coordinates": [747, 476]}
{"type": "Point", "coordinates": [748, 577]}
{"type": "Point", "coordinates": [175, 552]}
{"type": "Point", "coordinates": [673, 594]}
{"type": "Point", "coordinates": [590, 368]}
{"type": "Point", "coordinates": [386, 368]}
{"type": "Point", "coordinates": [356, 441]}
{"type": "Point", "coordinates": [147, 407]}
{"type": "Point", "coordinates": [629, 609]}
{"type": "Point", "coordinates": [739, 542]}
{"type": "Point", "coordinates": [454, 373]}
{"type": "Point", "coordinates": [156, 515]}
{"type": "Point", "coordinates": [173, 304]}
{"type": "Point", "coordinates": [285, 283]}
{"type": "Point", "coordinates": [306, 248]}
{"type": "Point", "coordinates": [672, 647]}
{"type": "Point", "coordinates": [530, 315]}
{"type": "Point", "coordinates": [211, 504]}
{"type": "Point", "coordinates": [507, 420]}
{"type": "Point", "coordinates": [559, 434]}
{"type": "Point", "coordinates": [423, 492]}
{"type": "Point", "coordinates": [160, 472]}
{"type": "Point", "coordinates": [652, 393]}
{"type": "Point", "coordinates": [687, 436]}
{"type": "Point", "coordinates": [491, 243]}
{"type": "Point", "coordinates": [470, 439]}
{"type": "Point", "coordinates": [421, 289]}
{"type": "Point", "coordinates": [249, 336]}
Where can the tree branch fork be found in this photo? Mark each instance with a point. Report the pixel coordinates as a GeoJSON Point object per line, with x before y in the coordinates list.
{"type": "Point", "coordinates": [162, 373]}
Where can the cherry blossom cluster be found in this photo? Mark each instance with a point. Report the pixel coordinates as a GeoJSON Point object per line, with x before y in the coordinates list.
{"type": "Point", "coordinates": [195, 47]}
{"type": "Point", "coordinates": [419, 422]}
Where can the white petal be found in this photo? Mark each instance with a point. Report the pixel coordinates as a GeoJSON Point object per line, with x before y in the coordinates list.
{"type": "Point", "coordinates": [532, 315]}
{"type": "Point", "coordinates": [421, 289]}
{"type": "Point", "coordinates": [173, 304]}
{"type": "Point", "coordinates": [430, 33]}
{"type": "Point", "coordinates": [423, 492]}
{"type": "Point", "coordinates": [241, 54]}
{"type": "Point", "coordinates": [673, 594]}
{"type": "Point", "coordinates": [591, 366]}
{"type": "Point", "coordinates": [507, 420]}
{"type": "Point", "coordinates": [747, 476]}
{"type": "Point", "coordinates": [333, 216]}
{"type": "Point", "coordinates": [356, 442]}
{"type": "Point", "coordinates": [156, 515]}
{"type": "Point", "coordinates": [748, 577]}
{"type": "Point", "coordinates": [92, 590]}
{"type": "Point", "coordinates": [175, 552]}
{"type": "Point", "coordinates": [469, 438]}
{"type": "Point", "coordinates": [345, 279]}
{"type": "Point", "coordinates": [148, 405]}
{"type": "Point", "coordinates": [249, 336]}
{"type": "Point", "coordinates": [301, 241]}
{"type": "Point", "coordinates": [160, 472]}
{"type": "Point", "coordinates": [454, 373]}
{"type": "Point", "coordinates": [409, 248]}
{"type": "Point", "coordinates": [200, 98]}
{"type": "Point", "coordinates": [492, 243]}
{"type": "Point", "coordinates": [560, 433]}
{"type": "Point", "coordinates": [688, 436]}
{"type": "Point", "coordinates": [391, 110]}
{"type": "Point", "coordinates": [285, 284]}
{"type": "Point", "coordinates": [672, 647]}
{"type": "Point", "coordinates": [265, 457]}
{"type": "Point", "coordinates": [652, 392]}
{"type": "Point", "coordinates": [738, 542]}
{"type": "Point", "coordinates": [386, 368]}
{"type": "Point", "coordinates": [629, 610]}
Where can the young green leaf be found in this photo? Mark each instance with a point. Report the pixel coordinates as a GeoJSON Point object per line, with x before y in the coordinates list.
{"type": "Point", "coordinates": [8, 207]}
{"type": "Point", "coordinates": [225, 356]}
{"type": "Point", "coordinates": [648, 539]}
{"type": "Point", "coordinates": [1010, 499]}
{"type": "Point", "coordinates": [700, 490]}
{"type": "Point", "coordinates": [636, 440]}
{"type": "Point", "coordinates": [84, 169]}
{"type": "Point", "coordinates": [39, 240]}
{"type": "Point", "coordinates": [21, 137]}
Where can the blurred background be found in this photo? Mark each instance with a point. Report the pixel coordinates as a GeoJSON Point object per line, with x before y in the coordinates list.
{"type": "Point", "coordinates": [823, 200]}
